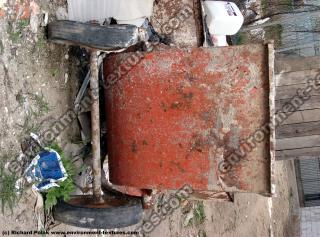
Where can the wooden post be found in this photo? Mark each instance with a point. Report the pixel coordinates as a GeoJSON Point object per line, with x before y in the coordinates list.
{"type": "Point", "coordinates": [95, 126]}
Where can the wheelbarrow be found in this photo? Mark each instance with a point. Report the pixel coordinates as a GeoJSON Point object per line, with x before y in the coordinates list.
{"type": "Point", "coordinates": [200, 116]}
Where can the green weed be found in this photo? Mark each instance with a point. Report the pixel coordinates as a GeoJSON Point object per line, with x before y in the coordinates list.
{"type": "Point", "coordinates": [8, 192]}
{"type": "Point", "coordinates": [41, 104]}
{"type": "Point", "coordinates": [264, 7]}
{"type": "Point", "coordinates": [30, 125]}
{"type": "Point", "coordinates": [66, 187]}
{"type": "Point", "coordinates": [241, 38]}
{"type": "Point", "coordinates": [15, 33]}
{"type": "Point", "coordinates": [20, 98]}
{"type": "Point", "coordinates": [55, 72]}
{"type": "Point", "coordinates": [275, 33]}
{"type": "Point", "coordinates": [198, 215]}
{"type": "Point", "coordinates": [42, 39]}
{"type": "Point", "coordinates": [40, 43]}
{"type": "Point", "coordinates": [23, 24]}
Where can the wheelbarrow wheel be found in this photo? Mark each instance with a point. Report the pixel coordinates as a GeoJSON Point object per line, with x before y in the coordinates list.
{"type": "Point", "coordinates": [112, 37]}
{"type": "Point", "coordinates": [115, 212]}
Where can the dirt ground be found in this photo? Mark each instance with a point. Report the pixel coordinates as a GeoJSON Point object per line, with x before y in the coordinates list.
{"type": "Point", "coordinates": [249, 214]}
{"type": "Point", "coordinates": [38, 84]}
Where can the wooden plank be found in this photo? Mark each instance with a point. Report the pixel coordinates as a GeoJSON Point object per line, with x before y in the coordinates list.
{"type": "Point", "coordinates": [303, 153]}
{"type": "Point", "coordinates": [297, 142]}
{"type": "Point", "coordinates": [303, 117]}
{"type": "Point", "coordinates": [272, 111]}
{"type": "Point", "coordinates": [287, 92]}
{"type": "Point", "coordinates": [298, 130]}
{"type": "Point", "coordinates": [312, 103]}
{"type": "Point", "coordinates": [296, 47]}
{"type": "Point", "coordinates": [290, 64]}
{"type": "Point", "coordinates": [298, 77]}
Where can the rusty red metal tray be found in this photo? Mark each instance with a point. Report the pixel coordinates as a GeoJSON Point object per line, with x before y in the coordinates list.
{"type": "Point", "coordinates": [197, 116]}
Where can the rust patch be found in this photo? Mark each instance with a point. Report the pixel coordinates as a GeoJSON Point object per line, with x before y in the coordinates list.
{"type": "Point", "coordinates": [164, 107]}
{"type": "Point", "coordinates": [134, 147]}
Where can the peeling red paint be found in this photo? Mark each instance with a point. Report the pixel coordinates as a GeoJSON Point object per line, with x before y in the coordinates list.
{"type": "Point", "coordinates": [25, 9]}
{"type": "Point", "coordinates": [2, 13]}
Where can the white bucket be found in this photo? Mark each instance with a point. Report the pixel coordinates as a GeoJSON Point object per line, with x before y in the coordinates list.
{"type": "Point", "coordinates": [219, 40]}
{"type": "Point", "coordinates": [223, 18]}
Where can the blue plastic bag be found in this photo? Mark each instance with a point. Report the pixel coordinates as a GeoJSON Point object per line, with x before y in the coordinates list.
{"type": "Point", "coordinates": [46, 171]}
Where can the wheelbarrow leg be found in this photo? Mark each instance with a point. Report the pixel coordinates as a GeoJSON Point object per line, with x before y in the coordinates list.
{"type": "Point", "coordinates": [95, 123]}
